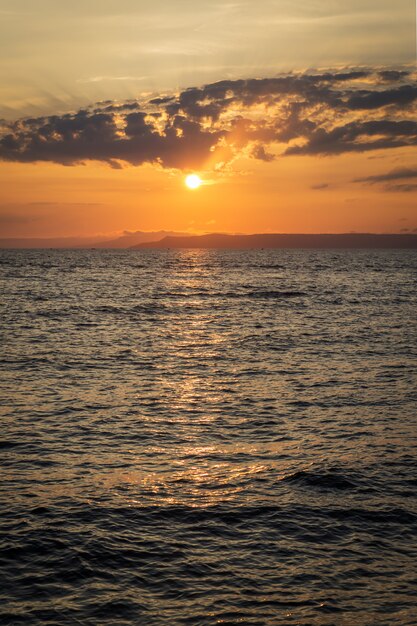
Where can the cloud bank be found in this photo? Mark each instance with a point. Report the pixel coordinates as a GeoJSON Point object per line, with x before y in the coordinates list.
{"type": "Point", "coordinates": [326, 113]}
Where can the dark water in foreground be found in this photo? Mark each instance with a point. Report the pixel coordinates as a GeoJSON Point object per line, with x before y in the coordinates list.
{"type": "Point", "coordinates": [208, 437]}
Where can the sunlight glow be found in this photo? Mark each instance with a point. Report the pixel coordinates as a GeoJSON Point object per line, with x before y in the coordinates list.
{"type": "Point", "coordinates": [193, 181]}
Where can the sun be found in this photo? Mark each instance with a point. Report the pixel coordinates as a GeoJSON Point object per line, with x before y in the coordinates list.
{"type": "Point", "coordinates": [193, 181]}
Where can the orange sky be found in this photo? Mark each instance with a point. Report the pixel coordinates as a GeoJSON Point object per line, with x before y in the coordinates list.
{"type": "Point", "coordinates": [253, 197]}
{"type": "Point", "coordinates": [273, 172]}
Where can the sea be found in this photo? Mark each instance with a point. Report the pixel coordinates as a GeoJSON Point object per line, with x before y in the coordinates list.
{"type": "Point", "coordinates": [208, 437]}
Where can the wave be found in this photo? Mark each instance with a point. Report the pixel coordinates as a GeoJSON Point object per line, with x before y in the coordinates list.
{"type": "Point", "coordinates": [324, 480]}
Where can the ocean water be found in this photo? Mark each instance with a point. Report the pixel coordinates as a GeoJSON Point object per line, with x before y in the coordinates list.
{"type": "Point", "coordinates": [203, 437]}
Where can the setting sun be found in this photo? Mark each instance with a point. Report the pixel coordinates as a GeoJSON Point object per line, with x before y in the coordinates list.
{"type": "Point", "coordinates": [193, 181]}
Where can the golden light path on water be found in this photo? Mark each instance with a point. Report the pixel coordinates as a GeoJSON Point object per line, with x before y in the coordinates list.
{"type": "Point", "coordinates": [212, 416]}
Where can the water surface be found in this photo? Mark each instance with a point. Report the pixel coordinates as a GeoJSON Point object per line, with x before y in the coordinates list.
{"type": "Point", "coordinates": [208, 437]}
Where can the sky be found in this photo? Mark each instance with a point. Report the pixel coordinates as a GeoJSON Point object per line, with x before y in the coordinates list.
{"type": "Point", "coordinates": [296, 116]}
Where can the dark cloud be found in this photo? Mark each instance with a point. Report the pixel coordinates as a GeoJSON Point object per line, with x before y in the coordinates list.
{"type": "Point", "coordinates": [392, 75]}
{"type": "Point", "coordinates": [323, 113]}
{"type": "Point", "coordinates": [397, 174]}
{"type": "Point", "coordinates": [400, 97]}
{"type": "Point", "coordinates": [116, 108]}
{"type": "Point", "coordinates": [76, 138]}
{"type": "Point", "coordinates": [260, 153]}
{"type": "Point", "coordinates": [359, 137]}
{"type": "Point", "coordinates": [163, 100]}
{"type": "Point", "coordinates": [402, 188]}
{"type": "Point", "coordinates": [387, 179]}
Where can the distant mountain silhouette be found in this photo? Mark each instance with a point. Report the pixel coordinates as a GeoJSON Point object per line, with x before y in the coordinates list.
{"type": "Point", "coordinates": [131, 239]}
{"type": "Point", "coordinates": [170, 239]}
{"type": "Point", "coordinates": [345, 240]}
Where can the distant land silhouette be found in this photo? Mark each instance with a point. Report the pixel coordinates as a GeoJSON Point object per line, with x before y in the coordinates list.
{"type": "Point", "coordinates": [170, 239]}
{"type": "Point", "coordinates": [346, 240]}
{"type": "Point", "coordinates": [132, 239]}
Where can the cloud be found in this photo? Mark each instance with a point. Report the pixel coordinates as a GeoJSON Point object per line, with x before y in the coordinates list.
{"type": "Point", "coordinates": [399, 97]}
{"type": "Point", "coordinates": [320, 186]}
{"type": "Point", "coordinates": [398, 174]}
{"type": "Point", "coordinates": [359, 136]}
{"type": "Point", "coordinates": [403, 188]}
{"type": "Point", "coordinates": [260, 153]}
{"type": "Point", "coordinates": [10, 219]}
{"type": "Point", "coordinates": [313, 113]}
{"type": "Point", "coordinates": [392, 75]}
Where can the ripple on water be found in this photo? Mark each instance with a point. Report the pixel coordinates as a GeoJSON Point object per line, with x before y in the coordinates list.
{"type": "Point", "coordinates": [208, 437]}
